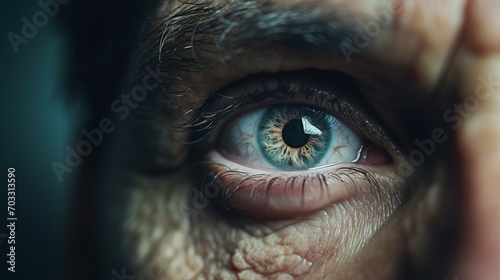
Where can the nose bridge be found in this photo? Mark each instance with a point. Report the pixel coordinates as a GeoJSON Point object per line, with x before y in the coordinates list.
{"type": "Point", "coordinates": [478, 135]}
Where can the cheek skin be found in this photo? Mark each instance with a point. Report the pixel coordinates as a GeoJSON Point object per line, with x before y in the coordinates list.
{"type": "Point", "coordinates": [167, 242]}
{"type": "Point", "coordinates": [401, 249]}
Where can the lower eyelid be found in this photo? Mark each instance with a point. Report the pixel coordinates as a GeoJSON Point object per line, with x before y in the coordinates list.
{"type": "Point", "coordinates": [274, 195]}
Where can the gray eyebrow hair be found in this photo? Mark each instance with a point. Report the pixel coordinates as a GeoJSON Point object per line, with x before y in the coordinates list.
{"type": "Point", "coordinates": [196, 28]}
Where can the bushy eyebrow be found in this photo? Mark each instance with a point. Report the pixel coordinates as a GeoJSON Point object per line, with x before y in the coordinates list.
{"type": "Point", "coordinates": [192, 29]}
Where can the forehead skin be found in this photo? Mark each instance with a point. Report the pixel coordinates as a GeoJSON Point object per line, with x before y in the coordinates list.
{"type": "Point", "coordinates": [442, 47]}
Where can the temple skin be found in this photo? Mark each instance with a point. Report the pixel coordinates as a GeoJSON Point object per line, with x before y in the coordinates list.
{"type": "Point", "coordinates": [448, 50]}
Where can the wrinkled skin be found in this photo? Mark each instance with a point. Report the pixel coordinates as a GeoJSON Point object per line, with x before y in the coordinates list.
{"type": "Point", "coordinates": [434, 52]}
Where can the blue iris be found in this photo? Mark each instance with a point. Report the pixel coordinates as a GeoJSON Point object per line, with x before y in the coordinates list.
{"type": "Point", "coordinates": [293, 137]}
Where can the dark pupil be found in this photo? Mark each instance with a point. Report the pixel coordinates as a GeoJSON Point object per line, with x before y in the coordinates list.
{"type": "Point", "coordinates": [293, 134]}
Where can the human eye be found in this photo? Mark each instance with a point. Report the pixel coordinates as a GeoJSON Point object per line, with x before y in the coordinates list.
{"type": "Point", "coordinates": [289, 137]}
{"type": "Point", "coordinates": [292, 143]}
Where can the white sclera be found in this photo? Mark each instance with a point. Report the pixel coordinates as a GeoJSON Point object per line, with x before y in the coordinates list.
{"type": "Point", "coordinates": [240, 141]}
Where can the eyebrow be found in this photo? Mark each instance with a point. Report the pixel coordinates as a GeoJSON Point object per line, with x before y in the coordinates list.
{"type": "Point", "coordinates": [194, 29]}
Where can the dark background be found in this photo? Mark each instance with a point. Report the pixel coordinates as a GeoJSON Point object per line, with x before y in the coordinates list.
{"type": "Point", "coordinates": [38, 122]}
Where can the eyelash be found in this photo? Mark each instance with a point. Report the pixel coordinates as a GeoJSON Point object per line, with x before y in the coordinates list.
{"type": "Point", "coordinates": [241, 179]}
{"type": "Point", "coordinates": [278, 88]}
{"type": "Point", "coordinates": [283, 89]}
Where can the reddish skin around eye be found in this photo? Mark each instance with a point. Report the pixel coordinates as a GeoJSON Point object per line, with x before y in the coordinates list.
{"type": "Point", "coordinates": [283, 200]}
{"type": "Point", "coordinates": [275, 195]}
{"type": "Point", "coordinates": [374, 155]}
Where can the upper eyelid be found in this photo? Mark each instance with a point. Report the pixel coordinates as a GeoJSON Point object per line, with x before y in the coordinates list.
{"type": "Point", "coordinates": [347, 108]}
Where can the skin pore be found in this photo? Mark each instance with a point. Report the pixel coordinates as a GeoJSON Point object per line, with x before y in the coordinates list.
{"type": "Point", "coordinates": [397, 220]}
